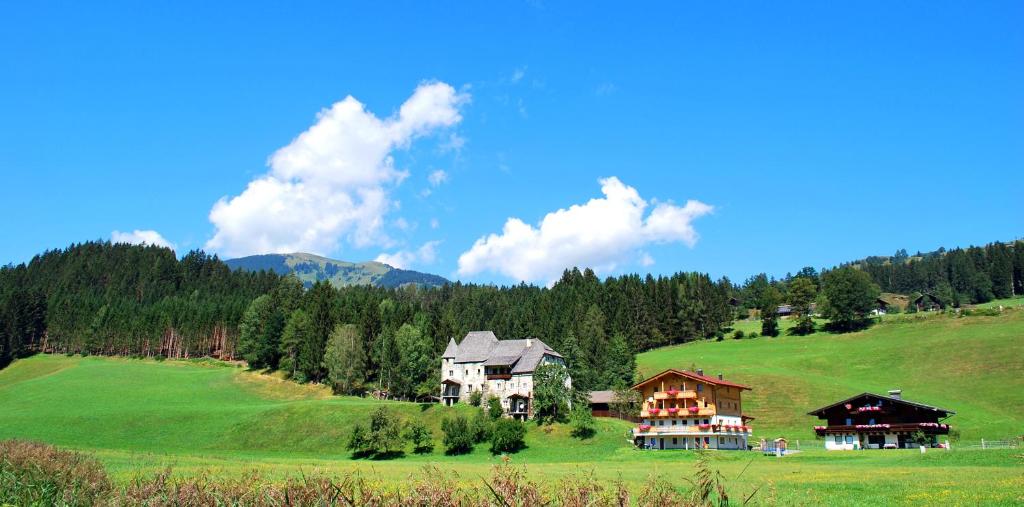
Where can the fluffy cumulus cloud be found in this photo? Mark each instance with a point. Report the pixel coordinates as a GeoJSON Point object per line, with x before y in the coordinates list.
{"type": "Point", "coordinates": [437, 177]}
{"type": "Point", "coordinates": [141, 237]}
{"type": "Point", "coordinates": [405, 259]}
{"type": "Point", "coordinates": [602, 234]}
{"type": "Point", "coordinates": [332, 183]}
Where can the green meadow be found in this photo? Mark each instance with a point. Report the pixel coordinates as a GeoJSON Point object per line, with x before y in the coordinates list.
{"type": "Point", "coordinates": [141, 416]}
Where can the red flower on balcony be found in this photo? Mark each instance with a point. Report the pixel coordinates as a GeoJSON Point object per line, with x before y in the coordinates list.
{"type": "Point", "coordinates": [645, 427]}
{"type": "Point", "coordinates": [672, 392]}
{"type": "Point", "coordinates": [654, 411]}
{"type": "Point", "coordinates": [704, 426]}
{"type": "Point", "coordinates": [849, 406]}
{"type": "Point", "coordinates": [673, 410]}
{"type": "Point", "coordinates": [693, 410]}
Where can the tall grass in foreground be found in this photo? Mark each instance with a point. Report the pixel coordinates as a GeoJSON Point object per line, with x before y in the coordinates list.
{"type": "Point", "coordinates": [39, 474]}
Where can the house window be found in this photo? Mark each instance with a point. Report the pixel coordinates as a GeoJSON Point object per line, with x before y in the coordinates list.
{"type": "Point", "coordinates": [451, 373]}
{"type": "Point", "coordinates": [469, 388]}
{"type": "Point", "coordinates": [673, 441]}
{"type": "Point", "coordinates": [721, 440]}
{"type": "Point", "coordinates": [673, 422]}
{"type": "Point", "coordinates": [849, 422]}
{"type": "Point", "coordinates": [839, 439]}
{"type": "Point", "coordinates": [871, 421]}
{"type": "Point", "coordinates": [700, 388]}
{"type": "Point", "coordinates": [849, 439]}
{"type": "Point", "coordinates": [684, 422]}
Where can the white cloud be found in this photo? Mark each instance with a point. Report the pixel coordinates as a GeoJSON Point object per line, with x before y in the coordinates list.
{"type": "Point", "coordinates": [333, 181]}
{"type": "Point", "coordinates": [602, 234]}
{"type": "Point", "coordinates": [437, 177]}
{"type": "Point", "coordinates": [646, 260]}
{"type": "Point", "coordinates": [434, 223]}
{"type": "Point", "coordinates": [403, 259]}
{"type": "Point", "coordinates": [141, 237]}
{"type": "Point", "coordinates": [518, 74]}
{"type": "Point", "coordinates": [605, 88]}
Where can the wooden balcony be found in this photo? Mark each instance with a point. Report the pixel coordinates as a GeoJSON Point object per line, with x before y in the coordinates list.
{"type": "Point", "coordinates": [675, 395]}
{"type": "Point", "coordinates": [499, 376]}
{"type": "Point", "coordinates": [927, 428]}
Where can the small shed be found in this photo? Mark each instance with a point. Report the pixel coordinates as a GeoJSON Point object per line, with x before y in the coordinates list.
{"type": "Point", "coordinates": [600, 403]}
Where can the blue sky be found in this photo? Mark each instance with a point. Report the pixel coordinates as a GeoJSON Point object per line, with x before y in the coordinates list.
{"type": "Point", "coordinates": [810, 134]}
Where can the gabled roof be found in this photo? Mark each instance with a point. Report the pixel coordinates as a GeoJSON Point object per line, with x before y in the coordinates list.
{"type": "Point", "coordinates": [602, 396]}
{"type": "Point", "coordinates": [821, 410]}
{"type": "Point", "coordinates": [694, 376]}
{"type": "Point", "coordinates": [523, 356]}
{"type": "Point", "coordinates": [450, 350]}
{"type": "Point", "coordinates": [475, 347]}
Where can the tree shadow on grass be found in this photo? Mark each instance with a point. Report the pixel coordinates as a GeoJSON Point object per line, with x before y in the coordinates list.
{"type": "Point", "coordinates": [848, 327]}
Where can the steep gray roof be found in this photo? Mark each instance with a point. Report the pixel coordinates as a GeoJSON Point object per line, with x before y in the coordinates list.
{"type": "Point", "coordinates": [483, 346]}
{"type": "Point", "coordinates": [450, 350]}
{"type": "Point", "coordinates": [475, 347]}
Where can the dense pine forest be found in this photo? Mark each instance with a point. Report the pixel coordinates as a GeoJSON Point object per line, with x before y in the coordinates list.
{"type": "Point", "coordinates": [116, 299]}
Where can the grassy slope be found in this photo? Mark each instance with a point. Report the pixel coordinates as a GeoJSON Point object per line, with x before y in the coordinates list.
{"type": "Point", "coordinates": [183, 407]}
{"type": "Point", "coordinates": [140, 416]}
{"type": "Point", "coordinates": [972, 365]}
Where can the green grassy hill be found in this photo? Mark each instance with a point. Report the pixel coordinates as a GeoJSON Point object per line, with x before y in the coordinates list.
{"type": "Point", "coordinates": [204, 417]}
{"type": "Point", "coordinates": [973, 365]}
{"type": "Point", "coordinates": [311, 268]}
{"type": "Point", "coordinates": [204, 407]}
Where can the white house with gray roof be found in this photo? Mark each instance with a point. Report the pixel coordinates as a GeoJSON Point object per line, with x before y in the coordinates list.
{"type": "Point", "coordinates": [503, 368]}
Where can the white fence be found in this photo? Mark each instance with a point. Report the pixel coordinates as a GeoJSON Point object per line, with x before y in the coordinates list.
{"type": "Point", "coordinates": [988, 444]}
{"type": "Point", "coordinates": [795, 445]}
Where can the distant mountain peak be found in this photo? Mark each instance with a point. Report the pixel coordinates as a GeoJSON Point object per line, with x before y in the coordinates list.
{"type": "Point", "coordinates": [311, 268]}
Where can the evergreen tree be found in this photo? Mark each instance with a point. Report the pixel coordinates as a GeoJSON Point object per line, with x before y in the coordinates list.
{"type": "Point", "coordinates": [257, 343]}
{"type": "Point", "coordinates": [620, 363]}
{"type": "Point", "coordinates": [345, 360]}
{"type": "Point", "coordinates": [801, 295]}
{"type": "Point", "coordinates": [297, 330]}
{"type": "Point", "coordinates": [770, 312]}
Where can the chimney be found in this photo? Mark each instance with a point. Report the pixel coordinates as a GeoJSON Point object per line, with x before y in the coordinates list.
{"type": "Point", "coordinates": [720, 377]}
{"type": "Point", "coordinates": [700, 371]}
{"type": "Point", "coordinates": [529, 342]}
{"type": "Point", "coordinates": [896, 394]}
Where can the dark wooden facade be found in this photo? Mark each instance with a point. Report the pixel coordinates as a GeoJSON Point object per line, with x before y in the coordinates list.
{"type": "Point", "coordinates": [883, 421]}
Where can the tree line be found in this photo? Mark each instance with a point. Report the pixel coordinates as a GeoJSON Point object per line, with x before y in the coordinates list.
{"type": "Point", "coordinates": [116, 299]}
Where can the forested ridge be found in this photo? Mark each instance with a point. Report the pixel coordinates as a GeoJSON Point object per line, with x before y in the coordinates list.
{"type": "Point", "coordinates": [116, 299]}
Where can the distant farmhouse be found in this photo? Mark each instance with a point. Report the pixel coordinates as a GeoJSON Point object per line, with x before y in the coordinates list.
{"type": "Point", "coordinates": [503, 368]}
{"type": "Point", "coordinates": [687, 410]}
{"type": "Point", "coordinates": [873, 421]}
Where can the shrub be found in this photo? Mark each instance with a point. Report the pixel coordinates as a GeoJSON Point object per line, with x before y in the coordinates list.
{"type": "Point", "coordinates": [507, 436]}
{"type": "Point", "coordinates": [738, 335]}
{"type": "Point", "coordinates": [385, 433]}
{"type": "Point", "coordinates": [582, 421]}
{"type": "Point", "coordinates": [475, 398]}
{"type": "Point", "coordinates": [480, 427]}
{"type": "Point", "coordinates": [494, 407]}
{"type": "Point", "coordinates": [383, 438]}
{"type": "Point", "coordinates": [753, 334]}
{"type": "Point", "coordinates": [418, 433]}
{"type": "Point", "coordinates": [457, 439]}
{"type": "Point", "coordinates": [359, 441]}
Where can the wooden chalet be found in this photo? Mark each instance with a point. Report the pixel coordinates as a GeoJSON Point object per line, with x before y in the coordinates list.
{"type": "Point", "coordinates": [688, 410]}
{"type": "Point", "coordinates": [874, 421]}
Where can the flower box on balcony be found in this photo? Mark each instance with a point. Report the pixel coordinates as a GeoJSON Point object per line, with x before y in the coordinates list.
{"type": "Point", "coordinates": [693, 410]}
{"type": "Point", "coordinates": [704, 426]}
{"type": "Point", "coordinates": [673, 410]}
{"type": "Point", "coordinates": [654, 411]}
{"type": "Point", "coordinates": [672, 392]}
{"type": "Point", "coordinates": [645, 427]}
